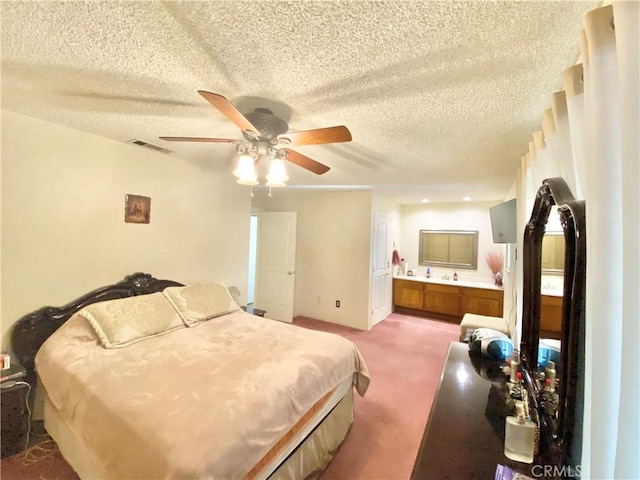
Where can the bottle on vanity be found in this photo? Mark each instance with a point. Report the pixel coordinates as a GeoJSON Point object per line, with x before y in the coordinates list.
{"type": "Point", "coordinates": [551, 376]}
{"type": "Point", "coordinates": [519, 436]}
{"type": "Point", "coordinates": [455, 276]}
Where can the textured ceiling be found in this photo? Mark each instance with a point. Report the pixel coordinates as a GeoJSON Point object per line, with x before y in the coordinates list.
{"type": "Point", "coordinates": [441, 97]}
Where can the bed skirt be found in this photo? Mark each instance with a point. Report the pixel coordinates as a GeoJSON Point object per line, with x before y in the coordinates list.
{"type": "Point", "coordinates": [310, 453]}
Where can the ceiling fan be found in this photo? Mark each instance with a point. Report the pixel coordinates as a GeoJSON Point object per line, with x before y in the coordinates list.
{"type": "Point", "coordinates": [268, 135]}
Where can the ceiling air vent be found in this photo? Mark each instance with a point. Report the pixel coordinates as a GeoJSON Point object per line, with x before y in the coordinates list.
{"type": "Point", "coordinates": [151, 146]}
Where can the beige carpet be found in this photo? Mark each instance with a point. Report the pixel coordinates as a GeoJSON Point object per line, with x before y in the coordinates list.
{"type": "Point", "coordinates": [405, 356]}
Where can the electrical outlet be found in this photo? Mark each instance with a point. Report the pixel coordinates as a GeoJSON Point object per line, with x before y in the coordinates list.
{"type": "Point", "coordinates": [337, 303]}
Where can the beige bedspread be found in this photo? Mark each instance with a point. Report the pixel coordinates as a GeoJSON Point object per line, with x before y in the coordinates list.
{"type": "Point", "coordinates": [202, 402]}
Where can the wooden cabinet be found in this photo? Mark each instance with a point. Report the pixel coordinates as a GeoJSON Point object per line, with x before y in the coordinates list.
{"type": "Point", "coordinates": [550, 316]}
{"type": "Point", "coordinates": [481, 301]}
{"type": "Point", "coordinates": [408, 294]}
{"type": "Point", "coordinates": [442, 299]}
{"type": "Point", "coordinates": [447, 301]}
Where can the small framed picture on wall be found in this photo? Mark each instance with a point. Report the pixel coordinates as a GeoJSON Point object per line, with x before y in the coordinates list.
{"type": "Point", "coordinates": [137, 209]}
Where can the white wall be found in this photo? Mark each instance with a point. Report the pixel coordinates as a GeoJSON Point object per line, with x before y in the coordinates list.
{"type": "Point", "coordinates": [333, 252]}
{"type": "Point", "coordinates": [449, 216]}
{"type": "Point", "coordinates": [63, 230]}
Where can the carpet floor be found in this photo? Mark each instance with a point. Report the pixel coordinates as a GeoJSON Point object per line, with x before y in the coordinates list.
{"type": "Point", "coordinates": [405, 356]}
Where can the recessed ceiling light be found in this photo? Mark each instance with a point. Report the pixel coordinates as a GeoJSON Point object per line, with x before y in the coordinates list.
{"type": "Point", "coordinates": [425, 200]}
{"type": "Point", "coordinates": [466, 199]}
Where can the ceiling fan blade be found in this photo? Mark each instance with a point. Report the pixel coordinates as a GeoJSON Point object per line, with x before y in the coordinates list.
{"type": "Point", "coordinates": [229, 111]}
{"type": "Point", "coordinates": [306, 162]}
{"type": "Point", "coordinates": [199, 139]}
{"type": "Point", "coordinates": [317, 136]}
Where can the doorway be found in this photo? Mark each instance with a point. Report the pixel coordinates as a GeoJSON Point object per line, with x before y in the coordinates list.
{"type": "Point", "coordinates": [274, 266]}
{"type": "Point", "coordinates": [253, 254]}
{"type": "Point", "coordinates": [381, 280]}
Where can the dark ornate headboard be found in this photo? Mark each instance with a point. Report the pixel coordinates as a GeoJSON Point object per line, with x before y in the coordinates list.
{"type": "Point", "coordinates": [31, 331]}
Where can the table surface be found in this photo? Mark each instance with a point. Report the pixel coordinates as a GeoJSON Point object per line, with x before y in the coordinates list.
{"type": "Point", "coordinates": [464, 437]}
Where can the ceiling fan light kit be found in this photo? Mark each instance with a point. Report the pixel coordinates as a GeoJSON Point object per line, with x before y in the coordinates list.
{"type": "Point", "coordinates": [267, 136]}
{"type": "Point", "coordinates": [249, 157]}
{"type": "Point", "coordinates": [246, 171]}
{"type": "Point", "coordinates": [277, 176]}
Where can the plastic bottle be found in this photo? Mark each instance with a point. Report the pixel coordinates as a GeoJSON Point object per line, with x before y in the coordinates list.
{"type": "Point", "coordinates": [514, 358]}
{"type": "Point", "coordinates": [515, 355]}
{"type": "Point", "coordinates": [428, 274]}
{"type": "Point", "coordinates": [455, 276]}
{"type": "Point", "coordinates": [515, 366]}
{"type": "Point", "coordinates": [551, 375]}
{"type": "Point", "coordinates": [519, 436]}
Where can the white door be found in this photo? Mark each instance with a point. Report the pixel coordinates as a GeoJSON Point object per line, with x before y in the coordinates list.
{"type": "Point", "coordinates": [381, 281]}
{"type": "Point", "coordinates": [275, 275]}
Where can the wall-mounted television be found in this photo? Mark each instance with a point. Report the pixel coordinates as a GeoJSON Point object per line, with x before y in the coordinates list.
{"type": "Point", "coordinates": [503, 222]}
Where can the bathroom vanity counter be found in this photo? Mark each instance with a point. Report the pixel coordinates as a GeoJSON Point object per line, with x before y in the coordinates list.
{"type": "Point", "coordinates": [446, 299]}
{"type": "Point", "coordinates": [455, 283]}
{"type": "Point", "coordinates": [464, 437]}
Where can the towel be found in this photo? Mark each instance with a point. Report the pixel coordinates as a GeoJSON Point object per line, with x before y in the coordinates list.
{"type": "Point", "coordinates": [395, 258]}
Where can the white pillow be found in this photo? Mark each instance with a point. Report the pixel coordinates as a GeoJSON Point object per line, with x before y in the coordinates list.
{"type": "Point", "coordinates": [201, 302]}
{"type": "Point", "coordinates": [124, 321]}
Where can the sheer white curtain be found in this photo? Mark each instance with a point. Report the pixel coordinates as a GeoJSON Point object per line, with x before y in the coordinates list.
{"type": "Point", "coordinates": [627, 24]}
{"type": "Point", "coordinates": [575, 115]}
{"type": "Point", "coordinates": [612, 185]}
{"type": "Point", "coordinates": [594, 144]}
{"type": "Point", "coordinates": [564, 152]}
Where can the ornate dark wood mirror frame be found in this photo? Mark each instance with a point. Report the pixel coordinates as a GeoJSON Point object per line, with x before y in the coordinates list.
{"type": "Point", "coordinates": [561, 437]}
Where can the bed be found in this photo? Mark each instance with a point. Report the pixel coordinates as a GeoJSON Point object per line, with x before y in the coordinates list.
{"type": "Point", "coordinates": [153, 379]}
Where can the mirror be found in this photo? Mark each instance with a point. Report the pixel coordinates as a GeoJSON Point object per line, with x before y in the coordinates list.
{"type": "Point", "coordinates": [552, 271]}
{"type": "Point", "coordinates": [448, 248]}
{"type": "Point", "coordinates": [553, 253]}
{"type": "Point", "coordinates": [561, 423]}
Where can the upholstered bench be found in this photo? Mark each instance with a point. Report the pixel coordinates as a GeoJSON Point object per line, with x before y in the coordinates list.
{"type": "Point", "coordinates": [471, 321]}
